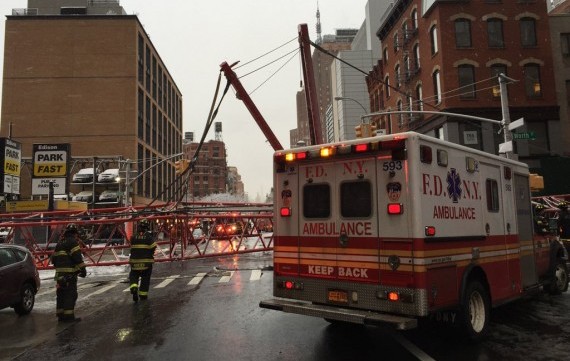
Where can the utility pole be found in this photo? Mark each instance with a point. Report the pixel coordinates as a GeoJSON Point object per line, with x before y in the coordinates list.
{"type": "Point", "coordinates": [508, 137]}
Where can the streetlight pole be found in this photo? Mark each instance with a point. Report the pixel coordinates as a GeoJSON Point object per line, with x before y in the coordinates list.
{"type": "Point", "coordinates": [354, 100]}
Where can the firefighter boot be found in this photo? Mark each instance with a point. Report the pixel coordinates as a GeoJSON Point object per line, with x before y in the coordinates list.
{"type": "Point", "coordinates": [135, 292]}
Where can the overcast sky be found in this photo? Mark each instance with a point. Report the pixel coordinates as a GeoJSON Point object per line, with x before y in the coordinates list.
{"type": "Point", "coordinates": [193, 37]}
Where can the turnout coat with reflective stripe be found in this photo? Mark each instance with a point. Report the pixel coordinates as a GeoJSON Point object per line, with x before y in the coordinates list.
{"type": "Point", "coordinates": [67, 257]}
{"type": "Point", "coordinates": [142, 250]}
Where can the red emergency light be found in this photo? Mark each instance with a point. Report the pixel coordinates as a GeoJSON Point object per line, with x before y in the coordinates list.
{"type": "Point", "coordinates": [361, 148]}
{"type": "Point", "coordinates": [285, 212]}
{"type": "Point", "coordinates": [395, 208]}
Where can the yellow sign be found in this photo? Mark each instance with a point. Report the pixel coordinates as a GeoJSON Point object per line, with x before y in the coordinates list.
{"type": "Point", "coordinates": [27, 206]}
{"type": "Point", "coordinates": [49, 170]}
{"type": "Point", "coordinates": [70, 205]}
{"type": "Point", "coordinates": [12, 166]}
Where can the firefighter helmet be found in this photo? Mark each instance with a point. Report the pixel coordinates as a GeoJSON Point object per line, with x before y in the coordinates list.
{"type": "Point", "coordinates": [71, 229]}
{"type": "Point", "coordinates": [539, 207]}
{"type": "Point", "coordinates": [144, 225]}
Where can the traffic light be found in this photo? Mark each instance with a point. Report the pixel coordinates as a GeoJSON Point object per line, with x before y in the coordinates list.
{"type": "Point", "coordinates": [373, 128]}
{"type": "Point", "coordinates": [181, 165]}
{"type": "Point", "coordinates": [358, 131]}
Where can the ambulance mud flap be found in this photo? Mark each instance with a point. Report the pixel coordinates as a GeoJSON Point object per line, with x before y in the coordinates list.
{"type": "Point", "coordinates": [341, 314]}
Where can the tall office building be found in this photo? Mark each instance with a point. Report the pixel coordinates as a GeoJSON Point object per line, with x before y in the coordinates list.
{"type": "Point", "coordinates": [85, 73]}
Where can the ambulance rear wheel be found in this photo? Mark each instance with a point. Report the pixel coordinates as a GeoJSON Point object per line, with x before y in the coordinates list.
{"type": "Point", "coordinates": [475, 310]}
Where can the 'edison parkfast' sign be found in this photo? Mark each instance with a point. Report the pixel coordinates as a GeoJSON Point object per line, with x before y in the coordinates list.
{"type": "Point", "coordinates": [50, 165]}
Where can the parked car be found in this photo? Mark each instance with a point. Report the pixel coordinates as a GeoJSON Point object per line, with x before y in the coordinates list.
{"type": "Point", "coordinates": [85, 175]}
{"type": "Point", "coordinates": [109, 196]}
{"type": "Point", "coordinates": [19, 279]}
{"type": "Point", "coordinates": [109, 176]}
{"type": "Point", "coordinates": [84, 196]}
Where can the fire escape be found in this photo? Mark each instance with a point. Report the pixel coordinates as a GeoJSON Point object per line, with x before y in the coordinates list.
{"type": "Point", "coordinates": [406, 71]}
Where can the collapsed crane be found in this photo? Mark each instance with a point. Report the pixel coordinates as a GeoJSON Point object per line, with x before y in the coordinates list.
{"type": "Point", "coordinates": [315, 128]}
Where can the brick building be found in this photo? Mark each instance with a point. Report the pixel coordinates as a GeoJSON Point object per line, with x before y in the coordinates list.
{"type": "Point", "coordinates": [445, 56]}
{"type": "Point", "coordinates": [211, 171]}
{"type": "Point", "coordinates": [72, 75]}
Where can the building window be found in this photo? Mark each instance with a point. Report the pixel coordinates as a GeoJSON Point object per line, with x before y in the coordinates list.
{"type": "Point", "coordinates": [528, 32]}
{"type": "Point", "coordinates": [417, 57]}
{"type": "Point", "coordinates": [398, 76]}
{"type": "Point", "coordinates": [463, 33]}
{"type": "Point", "coordinates": [385, 55]}
{"type": "Point", "coordinates": [419, 97]}
{"type": "Point", "coordinates": [387, 86]}
{"type": "Point", "coordinates": [565, 44]}
{"type": "Point", "coordinates": [141, 60]}
{"type": "Point", "coordinates": [414, 19]}
{"type": "Point", "coordinates": [492, 191]}
{"type": "Point", "coordinates": [466, 74]}
{"type": "Point", "coordinates": [495, 33]}
{"type": "Point", "coordinates": [497, 69]}
{"type": "Point", "coordinates": [532, 80]}
{"type": "Point", "coordinates": [396, 41]}
{"type": "Point", "coordinates": [436, 87]}
{"type": "Point", "coordinates": [433, 38]}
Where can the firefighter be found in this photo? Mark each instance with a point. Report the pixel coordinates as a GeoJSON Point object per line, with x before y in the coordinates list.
{"type": "Point", "coordinates": [564, 220]}
{"type": "Point", "coordinates": [540, 221]}
{"type": "Point", "coordinates": [68, 262]}
{"type": "Point", "coordinates": [141, 260]}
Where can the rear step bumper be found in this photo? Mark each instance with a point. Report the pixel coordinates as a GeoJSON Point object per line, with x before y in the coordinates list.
{"type": "Point", "coordinates": [341, 314]}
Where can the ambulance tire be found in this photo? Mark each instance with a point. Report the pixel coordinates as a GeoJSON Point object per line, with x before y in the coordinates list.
{"type": "Point", "coordinates": [475, 310]}
{"type": "Point", "coordinates": [559, 282]}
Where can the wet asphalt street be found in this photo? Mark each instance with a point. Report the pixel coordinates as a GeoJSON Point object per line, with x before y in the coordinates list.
{"type": "Point", "coordinates": [208, 310]}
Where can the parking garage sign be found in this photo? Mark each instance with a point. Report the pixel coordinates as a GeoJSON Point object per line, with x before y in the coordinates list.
{"type": "Point", "coordinates": [11, 152]}
{"type": "Point", "coordinates": [50, 166]}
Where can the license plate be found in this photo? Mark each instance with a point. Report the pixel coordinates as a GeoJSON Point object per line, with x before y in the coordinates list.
{"type": "Point", "coordinates": [338, 296]}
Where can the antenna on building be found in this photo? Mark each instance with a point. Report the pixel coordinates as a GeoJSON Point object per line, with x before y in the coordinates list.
{"type": "Point", "coordinates": [319, 38]}
{"type": "Point", "coordinates": [218, 131]}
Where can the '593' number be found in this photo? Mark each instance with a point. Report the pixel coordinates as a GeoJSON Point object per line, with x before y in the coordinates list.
{"type": "Point", "coordinates": [397, 165]}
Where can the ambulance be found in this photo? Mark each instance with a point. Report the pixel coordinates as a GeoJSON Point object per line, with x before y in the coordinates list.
{"type": "Point", "coordinates": [390, 229]}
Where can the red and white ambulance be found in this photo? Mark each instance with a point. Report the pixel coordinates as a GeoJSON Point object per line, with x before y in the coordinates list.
{"type": "Point", "coordinates": [393, 228]}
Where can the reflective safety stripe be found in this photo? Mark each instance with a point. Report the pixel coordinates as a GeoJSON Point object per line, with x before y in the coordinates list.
{"type": "Point", "coordinates": [141, 260]}
{"type": "Point", "coordinates": [143, 293]}
{"type": "Point", "coordinates": [134, 285]}
{"type": "Point", "coordinates": [60, 253]}
{"type": "Point", "coordinates": [68, 312]}
{"type": "Point", "coordinates": [143, 246]}
{"type": "Point", "coordinates": [65, 270]}
{"type": "Point", "coordinates": [75, 249]}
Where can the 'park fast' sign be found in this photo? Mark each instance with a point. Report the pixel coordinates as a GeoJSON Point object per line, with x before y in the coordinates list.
{"type": "Point", "coordinates": [11, 153]}
{"type": "Point", "coordinates": [50, 165]}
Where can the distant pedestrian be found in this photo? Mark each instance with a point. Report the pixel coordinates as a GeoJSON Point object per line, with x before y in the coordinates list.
{"type": "Point", "coordinates": [68, 262]}
{"type": "Point", "coordinates": [141, 260]}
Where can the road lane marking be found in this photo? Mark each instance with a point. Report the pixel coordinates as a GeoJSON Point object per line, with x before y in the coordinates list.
{"type": "Point", "coordinates": [101, 290]}
{"type": "Point", "coordinates": [255, 275]}
{"type": "Point", "coordinates": [226, 279]}
{"type": "Point", "coordinates": [413, 349]}
{"type": "Point", "coordinates": [197, 279]}
{"type": "Point", "coordinates": [166, 281]}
